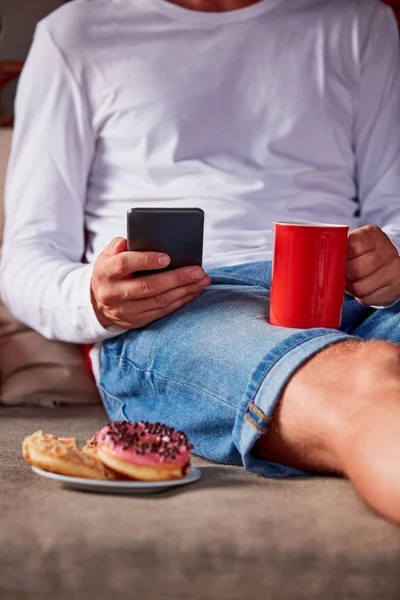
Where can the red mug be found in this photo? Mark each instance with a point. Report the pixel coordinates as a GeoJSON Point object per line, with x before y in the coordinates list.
{"type": "Point", "coordinates": [308, 275]}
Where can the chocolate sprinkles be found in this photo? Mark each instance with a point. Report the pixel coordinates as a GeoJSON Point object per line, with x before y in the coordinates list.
{"type": "Point", "coordinates": [167, 443]}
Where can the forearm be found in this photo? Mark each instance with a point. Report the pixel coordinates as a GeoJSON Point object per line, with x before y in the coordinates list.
{"type": "Point", "coordinates": [50, 294]}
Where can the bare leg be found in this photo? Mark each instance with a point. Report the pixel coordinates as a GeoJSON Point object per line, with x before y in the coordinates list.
{"type": "Point", "coordinates": [340, 413]}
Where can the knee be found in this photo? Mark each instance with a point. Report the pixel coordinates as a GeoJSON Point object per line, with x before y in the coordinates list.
{"type": "Point", "coordinates": [376, 364]}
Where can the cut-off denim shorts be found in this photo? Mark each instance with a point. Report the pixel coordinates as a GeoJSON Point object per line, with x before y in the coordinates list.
{"type": "Point", "coordinates": [216, 368]}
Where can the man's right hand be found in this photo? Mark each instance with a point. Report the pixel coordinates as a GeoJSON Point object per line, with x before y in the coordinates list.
{"type": "Point", "coordinates": [129, 302]}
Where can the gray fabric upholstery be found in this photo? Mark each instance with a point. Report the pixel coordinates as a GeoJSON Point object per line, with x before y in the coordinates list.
{"type": "Point", "coordinates": [231, 536]}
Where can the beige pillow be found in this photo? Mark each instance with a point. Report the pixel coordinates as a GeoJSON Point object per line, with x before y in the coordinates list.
{"type": "Point", "coordinates": [34, 370]}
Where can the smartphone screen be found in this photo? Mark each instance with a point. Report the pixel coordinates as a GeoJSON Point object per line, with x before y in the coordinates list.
{"type": "Point", "coordinates": [178, 232]}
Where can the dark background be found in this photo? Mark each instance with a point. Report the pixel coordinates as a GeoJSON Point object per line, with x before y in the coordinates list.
{"type": "Point", "coordinates": [17, 24]}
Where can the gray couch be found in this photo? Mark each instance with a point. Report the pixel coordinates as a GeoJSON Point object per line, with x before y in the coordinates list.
{"type": "Point", "coordinates": [232, 535]}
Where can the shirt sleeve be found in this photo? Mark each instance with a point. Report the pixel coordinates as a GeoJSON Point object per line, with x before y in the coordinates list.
{"type": "Point", "coordinates": [377, 125]}
{"type": "Point", "coordinates": [42, 280]}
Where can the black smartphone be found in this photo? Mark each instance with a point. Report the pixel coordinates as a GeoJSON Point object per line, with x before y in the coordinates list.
{"type": "Point", "coordinates": [178, 232]}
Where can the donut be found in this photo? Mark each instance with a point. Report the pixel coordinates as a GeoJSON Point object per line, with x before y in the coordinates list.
{"type": "Point", "coordinates": [65, 457]}
{"type": "Point", "coordinates": [144, 451]}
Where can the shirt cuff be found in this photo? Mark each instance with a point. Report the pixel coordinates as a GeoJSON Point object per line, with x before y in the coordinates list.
{"type": "Point", "coordinates": [91, 330]}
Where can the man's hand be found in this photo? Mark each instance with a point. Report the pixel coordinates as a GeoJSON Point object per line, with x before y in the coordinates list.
{"type": "Point", "coordinates": [120, 299]}
{"type": "Point", "coordinates": [373, 267]}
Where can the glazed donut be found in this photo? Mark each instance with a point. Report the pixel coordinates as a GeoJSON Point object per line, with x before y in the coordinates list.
{"type": "Point", "coordinates": [144, 451]}
{"type": "Point", "coordinates": [64, 456]}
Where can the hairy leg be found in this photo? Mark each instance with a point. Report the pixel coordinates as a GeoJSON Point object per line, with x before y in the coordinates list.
{"type": "Point", "coordinates": [340, 413]}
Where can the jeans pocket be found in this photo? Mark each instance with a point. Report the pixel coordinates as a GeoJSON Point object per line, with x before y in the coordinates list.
{"type": "Point", "coordinates": [114, 407]}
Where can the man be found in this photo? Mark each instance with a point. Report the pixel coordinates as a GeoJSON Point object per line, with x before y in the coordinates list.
{"type": "Point", "coordinates": [255, 112]}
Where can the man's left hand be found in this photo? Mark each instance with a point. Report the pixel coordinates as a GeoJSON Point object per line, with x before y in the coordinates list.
{"type": "Point", "coordinates": [373, 267]}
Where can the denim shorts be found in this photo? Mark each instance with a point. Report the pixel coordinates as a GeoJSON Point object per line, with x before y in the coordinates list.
{"type": "Point", "coordinates": [216, 368]}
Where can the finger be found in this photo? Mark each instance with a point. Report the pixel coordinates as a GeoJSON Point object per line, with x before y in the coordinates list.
{"type": "Point", "coordinates": [127, 317]}
{"type": "Point", "coordinates": [159, 313]}
{"type": "Point", "coordinates": [124, 264]}
{"type": "Point", "coordinates": [165, 299]}
{"type": "Point", "coordinates": [367, 287]}
{"type": "Point", "coordinates": [116, 246]}
{"type": "Point", "coordinates": [363, 240]}
{"type": "Point", "coordinates": [160, 283]}
{"type": "Point", "coordinates": [380, 298]}
{"type": "Point", "coordinates": [365, 265]}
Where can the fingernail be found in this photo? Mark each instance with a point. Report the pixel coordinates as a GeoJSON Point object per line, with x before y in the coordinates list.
{"type": "Point", "coordinates": [163, 260]}
{"type": "Point", "coordinates": [206, 281]}
{"type": "Point", "coordinates": [197, 274]}
{"type": "Point", "coordinates": [116, 244]}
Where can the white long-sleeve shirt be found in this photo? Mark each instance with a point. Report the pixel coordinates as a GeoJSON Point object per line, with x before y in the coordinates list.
{"type": "Point", "coordinates": [285, 110]}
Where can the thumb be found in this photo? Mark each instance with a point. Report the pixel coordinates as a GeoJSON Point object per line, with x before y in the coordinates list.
{"type": "Point", "coordinates": [116, 246]}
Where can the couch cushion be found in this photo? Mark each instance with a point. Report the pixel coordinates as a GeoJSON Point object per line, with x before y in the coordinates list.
{"type": "Point", "coordinates": [34, 370]}
{"type": "Point", "coordinates": [232, 535]}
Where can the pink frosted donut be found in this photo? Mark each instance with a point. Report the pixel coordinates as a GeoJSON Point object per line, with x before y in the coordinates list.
{"type": "Point", "coordinates": [144, 451]}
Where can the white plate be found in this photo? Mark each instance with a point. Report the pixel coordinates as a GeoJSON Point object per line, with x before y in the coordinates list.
{"type": "Point", "coordinates": [120, 487]}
